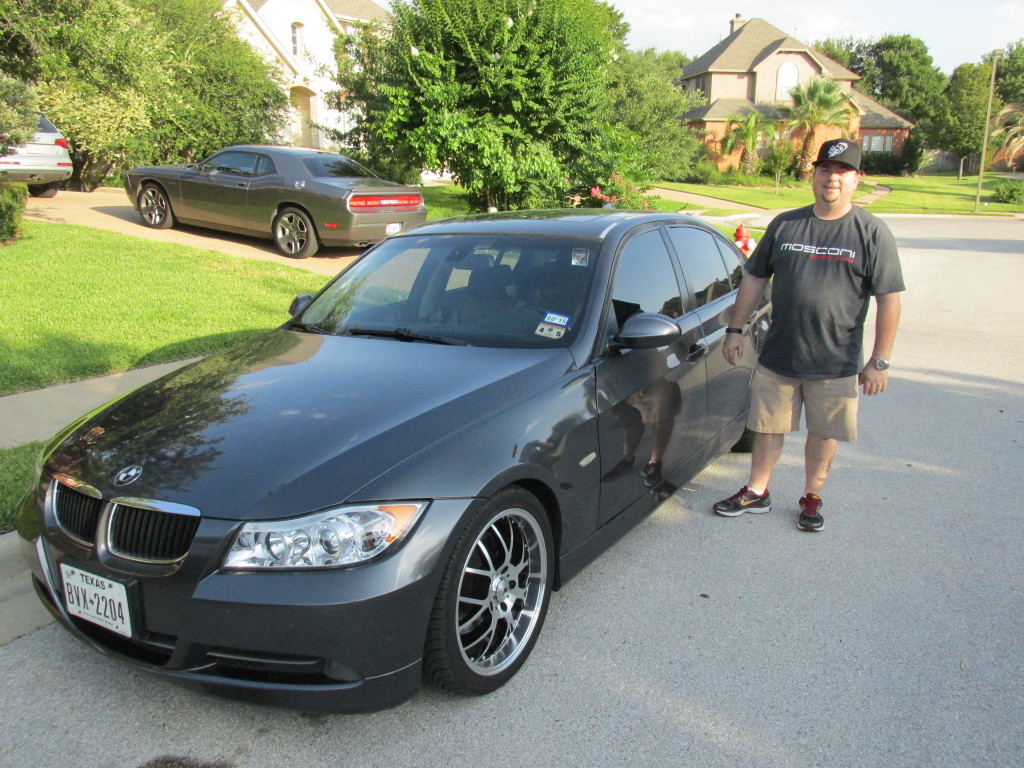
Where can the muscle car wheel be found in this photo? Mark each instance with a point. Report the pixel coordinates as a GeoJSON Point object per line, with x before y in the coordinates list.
{"type": "Point", "coordinates": [154, 207]}
{"type": "Point", "coordinates": [294, 234]}
{"type": "Point", "coordinates": [493, 597]}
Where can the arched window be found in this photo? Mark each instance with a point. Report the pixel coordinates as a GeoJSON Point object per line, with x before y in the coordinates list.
{"type": "Point", "coordinates": [298, 45]}
{"type": "Point", "coordinates": [787, 78]}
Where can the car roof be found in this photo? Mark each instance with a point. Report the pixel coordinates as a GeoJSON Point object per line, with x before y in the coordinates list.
{"type": "Point", "coordinates": [594, 223]}
{"type": "Point", "coordinates": [274, 149]}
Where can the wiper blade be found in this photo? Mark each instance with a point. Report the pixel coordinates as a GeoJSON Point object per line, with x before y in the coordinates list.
{"type": "Point", "coordinates": [405, 334]}
{"type": "Point", "coordinates": [311, 327]}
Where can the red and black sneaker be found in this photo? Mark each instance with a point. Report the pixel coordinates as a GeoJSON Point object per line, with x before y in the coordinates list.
{"type": "Point", "coordinates": [744, 500]}
{"type": "Point", "coordinates": [810, 513]}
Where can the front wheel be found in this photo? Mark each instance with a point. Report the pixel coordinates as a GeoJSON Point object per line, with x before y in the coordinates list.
{"type": "Point", "coordinates": [154, 207]}
{"type": "Point", "coordinates": [294, 234]}
{"type": "Point", "coordinates": [493, 597]}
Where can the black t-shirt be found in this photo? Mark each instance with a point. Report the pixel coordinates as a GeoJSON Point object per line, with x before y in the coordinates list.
{"type": "Point", "coordinates": [825, 272]}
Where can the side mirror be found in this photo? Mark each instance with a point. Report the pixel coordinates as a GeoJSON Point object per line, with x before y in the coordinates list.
{"type": "Point", "coordinates": [647, 330]}
{"type": "Point", "coordinates": [299, 303]}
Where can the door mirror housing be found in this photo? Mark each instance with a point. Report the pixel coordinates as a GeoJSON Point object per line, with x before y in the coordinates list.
{"type": "Point", "coordinates": [299, 303]}
{"type": "Point", "coordinates": [647, 330]}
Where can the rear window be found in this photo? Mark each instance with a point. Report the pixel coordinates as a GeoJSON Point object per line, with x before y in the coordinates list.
{"type": "Point", "coordinates": [336, 166]}
{"type": "Point", "coordinates": [45, 126]}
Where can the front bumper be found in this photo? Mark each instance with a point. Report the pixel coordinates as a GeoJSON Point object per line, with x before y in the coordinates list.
{"type": "Point", "coordinates": [332, 640]}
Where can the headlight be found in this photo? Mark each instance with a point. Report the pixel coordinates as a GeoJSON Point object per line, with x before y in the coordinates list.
{"type": "Point", "coordinates": [342, 536]}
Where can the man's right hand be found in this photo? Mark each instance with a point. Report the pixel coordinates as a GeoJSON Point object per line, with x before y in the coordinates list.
{"type": "Point", "coordinates": [733, 347]}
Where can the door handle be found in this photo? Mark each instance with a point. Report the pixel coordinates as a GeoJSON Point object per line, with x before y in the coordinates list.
{"type": "Point", "coordinates": [696, 351]}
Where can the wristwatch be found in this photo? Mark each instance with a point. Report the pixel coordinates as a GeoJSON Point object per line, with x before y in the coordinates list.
{"type": "Point", "coordinates": [731, 329]}
{"type": "Point", "coordinates": [880, 364]}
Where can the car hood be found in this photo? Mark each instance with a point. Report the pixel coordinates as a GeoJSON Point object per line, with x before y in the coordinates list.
{"type": "Point", "coordinates": [292, 422]}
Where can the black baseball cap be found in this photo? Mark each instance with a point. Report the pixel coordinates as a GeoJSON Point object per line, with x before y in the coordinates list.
{"type": "Point", "coordinates": [841, 151]}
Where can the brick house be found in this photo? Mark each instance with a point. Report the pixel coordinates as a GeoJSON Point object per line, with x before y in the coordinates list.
{"type": "Point", "coordinates": [754, 68]}
{"type": "Point", "coordinates": [298, 37]}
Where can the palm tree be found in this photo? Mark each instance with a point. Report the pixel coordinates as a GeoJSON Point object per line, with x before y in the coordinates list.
{"type": "Point", "coordinates": [822, 103]}
{"type": "Point", "coordinates": [1010, 122]}
{"type": "Point", "coordinates": [745, 130]}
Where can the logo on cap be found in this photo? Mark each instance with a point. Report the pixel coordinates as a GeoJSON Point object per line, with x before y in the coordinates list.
{"type": "Point", "coordinates": [838, 149]}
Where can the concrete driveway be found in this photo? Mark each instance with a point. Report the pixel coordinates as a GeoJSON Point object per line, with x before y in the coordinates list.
{"type": "Point", "coordinates": [109, 208]}
{"type": "Point", "coordinates": [893, 638]}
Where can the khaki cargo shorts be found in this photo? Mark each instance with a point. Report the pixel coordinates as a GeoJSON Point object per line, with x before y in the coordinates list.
{"type": "Point", "coordinates": [830, 404]}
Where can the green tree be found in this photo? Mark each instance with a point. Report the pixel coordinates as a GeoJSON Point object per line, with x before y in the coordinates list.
{"type": "Point", "coordinates": [509, 95]}
{"type": "Point", "coordinates": [130, 81]}
{"type": "Point", "coordinates": [1009, 132]}
{"type": "Point", "coordinates": [819, 104]}
{"type": "Point", "coordinates": [18, 109]}
{"type": "Point", "coordinates": [220, 90]}
{"type": "Point", "coordinates": [746, 131]}
{"type": "Point", "coordinates": [1010, 74]}
{"type": "Point", "coordinates": [962, 123]}
{"type": "Point", "coordinates": [895, 70]}
{"type": "Point", "coordinates": [646, 100]}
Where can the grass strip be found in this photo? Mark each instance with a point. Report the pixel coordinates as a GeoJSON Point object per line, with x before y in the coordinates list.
{"type": "Point", "coordinates": [17, 471]}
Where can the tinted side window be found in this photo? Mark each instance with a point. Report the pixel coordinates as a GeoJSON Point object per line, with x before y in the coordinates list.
{"type": "Point", "coordinates": [645, 280]}
{"type": "Point", "coordinates": [264, 166]}
{"type": "Point", "coordinates": [702, 263]}
{"type": "Point", "coordinates": [733, 261]}
{"type": "Point", "coordinates": [238, 163]}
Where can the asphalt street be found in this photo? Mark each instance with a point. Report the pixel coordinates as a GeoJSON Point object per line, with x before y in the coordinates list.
{"type": "Point", "coordinates": [892, 638]}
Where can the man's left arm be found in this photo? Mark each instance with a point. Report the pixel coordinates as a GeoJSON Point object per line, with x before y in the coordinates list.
{"type": "Point", "coordinates": [887, 320]}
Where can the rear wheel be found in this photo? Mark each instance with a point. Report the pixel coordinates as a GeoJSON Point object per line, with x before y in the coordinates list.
{"type": "Point", "coordinates": [294, 233]}
{"type": "Point", "coordinates": [493, 597]}
{"type": "Point", "coordinates": [154, 207]}
{"type": "Point", "coordinates": [44, 190]}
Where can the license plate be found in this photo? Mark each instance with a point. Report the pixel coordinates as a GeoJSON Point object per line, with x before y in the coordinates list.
{"type": "Point", "coordinates": [96, 599]}
{"type": "Point", "coordinates": [393, 229]}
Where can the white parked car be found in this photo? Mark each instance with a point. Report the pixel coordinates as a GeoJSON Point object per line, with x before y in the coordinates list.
{"type": "Point", "coordinates": [42, 163]}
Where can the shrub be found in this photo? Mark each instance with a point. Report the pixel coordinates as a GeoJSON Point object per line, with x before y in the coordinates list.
{"type": "Point", "coordinates": [12, 205]}
{"type": "Point", "coordinates": [617, 193]}
{"type": "Point", "coordinates": [1007, 191]}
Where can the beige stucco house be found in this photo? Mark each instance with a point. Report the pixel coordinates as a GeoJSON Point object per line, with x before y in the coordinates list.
{"type": "Point", "coordinates": [298, 37]}
{"type": "Point", "coordinates": [754, 68]}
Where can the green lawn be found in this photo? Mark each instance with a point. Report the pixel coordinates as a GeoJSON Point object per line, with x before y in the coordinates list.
{"type": "Point", "coordinates": [81, 302]}
{"type": "Point", "coordinates": [759, 197]}
{"type": "Point", "coordinates": [938, 193]}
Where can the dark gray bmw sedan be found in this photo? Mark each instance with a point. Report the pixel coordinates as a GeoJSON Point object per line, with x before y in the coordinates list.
{"type": "Point", "coordinates": [388, 488]}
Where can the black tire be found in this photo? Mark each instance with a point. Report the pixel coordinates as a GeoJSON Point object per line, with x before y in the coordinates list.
{"type": "Point", "coordinates": [294, 233]}
{"type": "Point", "coordinates": [44, 190]}
{"type": "Point", "coordinates": [493, 597]}
{"type": "Point", "coordinates": [155, 208]}
{"type": "Point", "coordinates": [746, 442]}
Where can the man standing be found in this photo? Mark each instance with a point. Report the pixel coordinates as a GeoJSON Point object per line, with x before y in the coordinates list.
{"type": "Point", "coordinates": [827, 260]}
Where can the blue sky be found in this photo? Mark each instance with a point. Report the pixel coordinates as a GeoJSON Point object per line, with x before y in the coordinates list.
{"type": "Point", "coordinates": [955, 31]}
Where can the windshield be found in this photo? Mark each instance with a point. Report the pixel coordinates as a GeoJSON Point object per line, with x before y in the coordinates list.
{"type": "Point", "coordinates": [337, 166]}
{"type": "Point", "coordinates": [485, 290]}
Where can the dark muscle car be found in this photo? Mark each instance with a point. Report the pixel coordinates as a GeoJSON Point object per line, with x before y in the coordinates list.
{"type": "Point", "coordinates": [299, 198]}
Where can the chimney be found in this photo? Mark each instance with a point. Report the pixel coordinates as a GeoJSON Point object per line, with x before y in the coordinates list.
{"type": "Point", "coordinates": [736, 23]}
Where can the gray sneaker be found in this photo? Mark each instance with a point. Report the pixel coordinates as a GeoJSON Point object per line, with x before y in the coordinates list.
{"type": "Point", "coordinates": [744, 501]}
{"type": "Point", "coordinates": [810, 513]}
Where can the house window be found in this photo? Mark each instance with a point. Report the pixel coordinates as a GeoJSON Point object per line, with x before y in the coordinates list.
{"type": "Point", "coordinates": [786, 80]}
{"type": "Point", "coordinates": [298, 44]}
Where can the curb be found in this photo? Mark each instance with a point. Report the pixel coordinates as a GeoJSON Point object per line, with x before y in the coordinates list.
{"type": "Point", "coordinates": [21, 612]}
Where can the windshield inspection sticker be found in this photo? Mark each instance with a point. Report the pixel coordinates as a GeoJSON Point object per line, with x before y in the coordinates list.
{"type": "Point", "coordinates": [580, 257]}
{"type": "Point", "coordinates": [553, 326]}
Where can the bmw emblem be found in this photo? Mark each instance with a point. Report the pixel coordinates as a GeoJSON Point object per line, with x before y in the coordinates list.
{"type": "Point", "coordinates": [128, 475]}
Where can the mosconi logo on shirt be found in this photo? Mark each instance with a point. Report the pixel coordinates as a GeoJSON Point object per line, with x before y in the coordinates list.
{"type": "Point", "coordinates": [823, 252]}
